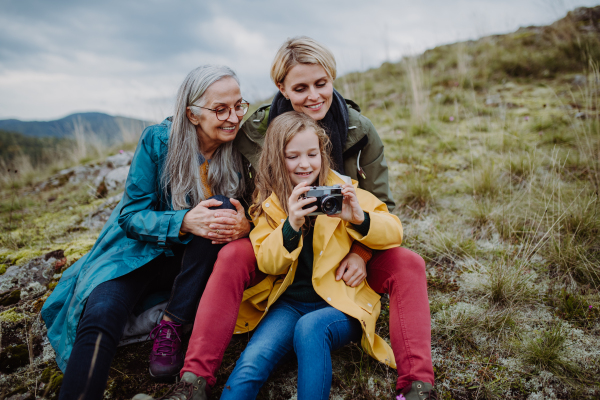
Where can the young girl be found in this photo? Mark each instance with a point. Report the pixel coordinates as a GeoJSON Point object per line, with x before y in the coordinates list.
{"type": "Point", "coordinates": [305, 309]}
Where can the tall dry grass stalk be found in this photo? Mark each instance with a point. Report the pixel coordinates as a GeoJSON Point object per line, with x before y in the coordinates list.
{"type": "Point", "coordinates": [462, 63]}
{"type": "Point", "coordinates": [588, 135]}
{"type": "Point", "coordinates": [130, 129]}
{"type": "Point", "coordinates": [88, 144]}
{"type": "Point", "coordinates": [416, 82]}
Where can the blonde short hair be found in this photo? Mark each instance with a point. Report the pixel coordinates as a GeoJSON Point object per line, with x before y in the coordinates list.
{"type": "Point", "coordinates": [301, 50]}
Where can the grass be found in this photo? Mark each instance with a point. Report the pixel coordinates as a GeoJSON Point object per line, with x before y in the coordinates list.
{"type": "Point", "coordinates": [417, 192]}
{"type": "Point", "coordinates": [509, 283]}
{"type": "Point", "coordinates": [546, 351]}
{"type": "Point", "coordinates": [577, 260]}
{"type": "Point", "coordinates": [497, 179]}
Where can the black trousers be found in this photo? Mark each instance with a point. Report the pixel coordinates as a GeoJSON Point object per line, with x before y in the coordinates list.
{"type": "Point", "coordinates": [110, 304]}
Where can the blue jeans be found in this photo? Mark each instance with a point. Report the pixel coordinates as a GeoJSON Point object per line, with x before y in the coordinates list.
{"type": "Point", "coordinates": [311, 330]}
{"type": "Point", "coordinates": [109, 305]}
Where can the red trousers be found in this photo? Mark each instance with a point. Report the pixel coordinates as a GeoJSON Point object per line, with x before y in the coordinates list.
{"type": "Point", "coordinates": [398, 272]}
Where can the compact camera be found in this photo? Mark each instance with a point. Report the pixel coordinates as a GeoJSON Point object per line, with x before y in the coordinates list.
{"type": "Point", "coordinates": [329, 199]}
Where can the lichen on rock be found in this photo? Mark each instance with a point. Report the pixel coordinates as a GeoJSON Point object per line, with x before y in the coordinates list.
{"type": "Point", "coordinates": [12, 316]}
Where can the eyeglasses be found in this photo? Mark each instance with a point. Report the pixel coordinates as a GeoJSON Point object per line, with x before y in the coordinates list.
{"type": "Point", "coordinates": [223, 112]}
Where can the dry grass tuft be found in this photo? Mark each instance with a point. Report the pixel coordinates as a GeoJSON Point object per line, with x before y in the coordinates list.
{"type": "Point", "coordinates": [510, 283]}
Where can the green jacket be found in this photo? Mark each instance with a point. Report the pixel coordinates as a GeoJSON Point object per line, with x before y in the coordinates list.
{"type": "Point", "coordinates": [362, 139]}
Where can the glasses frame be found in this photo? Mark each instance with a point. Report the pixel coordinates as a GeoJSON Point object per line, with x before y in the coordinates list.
{"type": "Point", "coordinates": [230, 108]}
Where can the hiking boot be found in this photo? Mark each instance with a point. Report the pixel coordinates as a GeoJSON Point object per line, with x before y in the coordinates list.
{"type": "Point", "coordinates": [191, 387]}
{"type": "Point", "coordinates": [418, 390]}
{"type": "Point", "coordinates": [166, 358]}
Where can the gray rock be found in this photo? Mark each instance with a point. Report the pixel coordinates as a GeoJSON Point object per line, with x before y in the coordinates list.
{"type": "Point", "coordinates": [579, 80]}
{"type": "Point", "coordinates": [33, 290]}
{"type": "Point", "coordinates": [96, 219]}
{"type": "Point", "coordinates": [116, 178]}
{"type": "Point", "coordinates": [40, 270]}
{"type": "Point", "coordinates": [82, 173]}
{"type": "Point", "coordinates": [119, 160]}
{"type": "Point", "coordinates": [493, 100]}
{"type": "Point", "coordinates": [104, 170]}
{"type": "Point", "coordinates": [95, 173]}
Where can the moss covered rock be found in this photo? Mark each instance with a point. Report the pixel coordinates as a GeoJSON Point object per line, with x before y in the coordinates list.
{"type": "Point", "coordinates": [55, 383]}
{"type": "Point", "coordinates": [11, 316]}
{"type": "Point", "coordinates": [10, 298]}
{"type": "Point", "coordinates": [13, 357]}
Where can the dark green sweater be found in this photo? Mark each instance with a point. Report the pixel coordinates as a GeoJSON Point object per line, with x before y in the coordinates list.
{"type": "Point", "coordinates": [302, 289]}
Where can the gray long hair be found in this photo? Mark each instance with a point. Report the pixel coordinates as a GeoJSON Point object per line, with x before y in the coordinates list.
{"type": "Point", "coordinates": [181, 174]}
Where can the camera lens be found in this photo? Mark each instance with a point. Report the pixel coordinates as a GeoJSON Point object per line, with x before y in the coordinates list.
{"type": "Point", "coordinates": [329, 205]}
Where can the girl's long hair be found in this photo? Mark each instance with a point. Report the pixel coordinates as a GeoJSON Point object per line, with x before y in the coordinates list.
{"type": "Point", "coordinates": [272, 175]}
{"type": "Point", "coordinates": [181, 173]}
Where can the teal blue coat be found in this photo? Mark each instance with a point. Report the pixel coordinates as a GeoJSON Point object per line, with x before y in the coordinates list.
{"type": "Point", "coordinates": [141, 227]}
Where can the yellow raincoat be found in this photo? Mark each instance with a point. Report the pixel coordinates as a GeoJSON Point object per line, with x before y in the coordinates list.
{"type": "Point", "coordinates": [331, 243]}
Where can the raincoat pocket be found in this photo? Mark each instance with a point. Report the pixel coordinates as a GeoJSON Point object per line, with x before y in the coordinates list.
{"type": "Point", "coordinates": [366, 298]}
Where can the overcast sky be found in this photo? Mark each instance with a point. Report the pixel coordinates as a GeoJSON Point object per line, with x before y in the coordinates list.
{"type": "Point", "coordinates": [128, 57]}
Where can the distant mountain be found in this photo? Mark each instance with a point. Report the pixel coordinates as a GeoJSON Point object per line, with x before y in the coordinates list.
{"type": "Point", "coordinates": [103, 127]}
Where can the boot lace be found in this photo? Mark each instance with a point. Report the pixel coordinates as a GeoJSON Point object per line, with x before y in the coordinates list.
{"type": "Point", "coordinates": [164, 341]}
{"type": "Point", "coordinates": [181, 391]}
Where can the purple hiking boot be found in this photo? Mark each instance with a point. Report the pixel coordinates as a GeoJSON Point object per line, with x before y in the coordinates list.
{"type": "Point", "coordinates": [166, 359]}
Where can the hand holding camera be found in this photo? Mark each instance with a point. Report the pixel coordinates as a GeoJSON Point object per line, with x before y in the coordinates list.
{"type": "Point", "coordinates": [351, 210]}
{"type": "Point", "coordinates": [333, 201]}
{"type": "Point", "coordinates": [299, 205]}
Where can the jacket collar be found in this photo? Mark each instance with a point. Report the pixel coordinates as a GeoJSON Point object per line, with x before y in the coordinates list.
{"type": "Point", "coordinates": [165, 133]}
{"type": "Point", "coordinates": [256, 126]}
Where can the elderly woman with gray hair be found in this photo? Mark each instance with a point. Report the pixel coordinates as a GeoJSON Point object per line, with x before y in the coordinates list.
{"type": "Point", "coordinates": [184, 178]}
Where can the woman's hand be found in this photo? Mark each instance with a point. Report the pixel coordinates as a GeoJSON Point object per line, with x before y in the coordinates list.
{"type": "Point", "coordinates": [222, 226]}
{"type": "Point", "coordinates": [224, 232]}
{"type": "Point", "coordinates": [352, 269]}
{"type": "Point", "coordinates": [351, 210]}
{"type": "Point", "coordinates": [295, 204]}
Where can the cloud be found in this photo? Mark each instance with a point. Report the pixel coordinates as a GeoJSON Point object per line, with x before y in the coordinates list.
{"type": "Point", "coordinates": [129, 57]}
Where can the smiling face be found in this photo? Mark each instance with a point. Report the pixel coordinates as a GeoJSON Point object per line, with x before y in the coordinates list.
{"type": "Point", "coordinates": [303, 157]}
{"type": "Point", "coordinates": [212, 132]}
{"type": "Point", "coordinates": [309, 88]}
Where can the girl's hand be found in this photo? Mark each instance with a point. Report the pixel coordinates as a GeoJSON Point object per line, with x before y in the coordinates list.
{"type": "Point", "coordinates": [351, 210]}
{"type": "Point", "coordinates": [295, 204]}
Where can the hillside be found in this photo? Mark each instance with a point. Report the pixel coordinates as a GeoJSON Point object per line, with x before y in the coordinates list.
{"type": "Point", "coordinates": [493, 148]}
{"type": "Point", "coordinates": [101, 126]}
{"type": "Point", "coordinates": [14, 145]}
